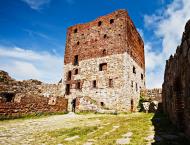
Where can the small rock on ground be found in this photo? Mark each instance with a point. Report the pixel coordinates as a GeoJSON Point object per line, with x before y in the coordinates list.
{"type": "Point", "coordinates": [123, 141]}
{"type": "Point", "coordinates": [72, 138]}
{"type": "Point", "coordinates": [88, 143]}
{"type": "Point", "coordinates": [149, 138]}
{"type": "Point", "coordinates": [129, 134]}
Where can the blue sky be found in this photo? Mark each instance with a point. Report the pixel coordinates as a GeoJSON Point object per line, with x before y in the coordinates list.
{"type": "Point", "coordinates": [33, 33]}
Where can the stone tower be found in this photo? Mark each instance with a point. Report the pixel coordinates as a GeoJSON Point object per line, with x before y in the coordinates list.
{"type": "Point", "coordinates": [104, 61]}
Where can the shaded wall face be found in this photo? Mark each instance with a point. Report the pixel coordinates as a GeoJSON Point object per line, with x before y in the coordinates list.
{"type": "Point", "coordinates": [176, 88]}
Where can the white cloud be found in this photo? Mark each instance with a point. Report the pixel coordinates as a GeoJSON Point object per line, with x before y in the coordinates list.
{"type": "Point", "coordinates": [36, 4]}
{"type": "Point", "coordinates": [28, 64]}
{"type": "Point", "coordinates": [167, 26]}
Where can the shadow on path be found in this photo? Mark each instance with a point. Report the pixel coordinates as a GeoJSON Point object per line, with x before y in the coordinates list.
{"type": "Point", "coordinates": [166, 133]}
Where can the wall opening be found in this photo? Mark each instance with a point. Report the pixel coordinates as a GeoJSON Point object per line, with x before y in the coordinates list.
{"type": "Point", "coordinates": [94, 84]}
{"type": "Point", "coordinates": [104, 52]}
{"type": "Point", "coordinates": [132, 105]}
{"type": "Point", "coordinates": [67, 89]}
{"type": "Point", "coordinates": [134, 70]}
{"type": "Point", "coordinates": [75, 30]}
{"type": "Point", "coordinates": [110, 83]}
{"type": "Point", "coordinates": [142, 76]}
{"type": "Point", "coordinates": [136, 87]}
{"type": "Point", "coordinates": [103, 67]}
{"type": "Point", "coordinates": [7, 97]}
{"type": "Point", "coordinates": [78, 43]}
{"type": "Point", "coordinates": [99, 23]}
{"type": "Point", "coordinates": [111, 21]}
{"type": "Point", "coordinates": [76, 71]}
{"type": "Point", "coordinates": [76, 60]}
{"type": "Point", "coordinates": [105, 35]}
{"type": "Point", "coordinates": [102, 104]}
{"type": "Point", "coordinates": [78, 85]}
{"type": "Point", "coordinates": [69, 75]}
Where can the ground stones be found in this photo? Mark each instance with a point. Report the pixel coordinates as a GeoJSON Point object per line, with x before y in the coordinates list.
{"type": "Point", "coordinates": [125, 140]}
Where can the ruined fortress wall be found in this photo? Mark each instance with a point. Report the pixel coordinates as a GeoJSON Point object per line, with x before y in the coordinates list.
{"type": "Point", "coordinates": [176, 86]}
{"type": "Point", "coordinates": [106, 41]}
{"type": "Point", "coordinates": [152, 94]}
{"type": "Point", "coordinates": [31, 96]}
{"type": "Point", "coordinates": [32, 104]}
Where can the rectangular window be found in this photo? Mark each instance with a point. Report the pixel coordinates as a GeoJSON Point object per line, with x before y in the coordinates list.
{"type": "Point", "coordinates": [76, 60]}
{"type": "Point", "coordinates": [78, 85]}
{"type": "Point", "coordinates": [67, 89]}
{"type": "Point", "coordinates": [103, 67]}
{"type": "Point", "coordinates": [110, 83]}
{"type": "Point", "coordinates": [69, 75]}
{"type": "Point", "coordinates": [76, 71]}
{"type": "Point", "coordinates": [134, 70]}
{"type": "Point", "coordinates": [94, 84]}
{"type": "Point", "coordinates": [142, 76]}
{"type": "Point", "coordinates": [136, 87]}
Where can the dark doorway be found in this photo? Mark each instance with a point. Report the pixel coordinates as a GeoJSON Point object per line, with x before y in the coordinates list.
{"type": "Point", "coordinates": [73, 103]}
{"type": "Point", "coordinates": [132, 105]}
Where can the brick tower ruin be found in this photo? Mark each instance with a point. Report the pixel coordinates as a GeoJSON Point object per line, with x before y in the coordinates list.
{"type": "Point", "coordinates": [104, 63]}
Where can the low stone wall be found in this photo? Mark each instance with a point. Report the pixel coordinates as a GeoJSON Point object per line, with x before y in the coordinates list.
{"type": "Point", "coordinates": [19, 98]}
{"type": "Point", "coordinates": [32, 104]}
{"type": "Point", "coordinates": [152, 94]}
{"type": "Point", "coordinates": [151, 100]}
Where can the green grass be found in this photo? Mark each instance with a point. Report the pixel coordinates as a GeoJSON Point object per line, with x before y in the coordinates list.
{"type": "Point", "coordinates": [99, 127]}
{"type": "Point", "coordinates": [139, 124]}
{"type": "Point", "coordinates": [29, 116]}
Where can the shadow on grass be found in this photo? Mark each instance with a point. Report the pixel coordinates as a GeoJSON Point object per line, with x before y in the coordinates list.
{"type": "Point", "coordinates": [165, 132]}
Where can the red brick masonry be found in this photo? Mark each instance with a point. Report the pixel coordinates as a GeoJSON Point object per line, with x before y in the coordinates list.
{"type": "Point", "coordinates": [33, 104]}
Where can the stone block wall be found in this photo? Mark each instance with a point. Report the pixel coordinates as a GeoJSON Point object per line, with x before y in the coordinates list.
{"type": "Point", "coordinates": [32, 104]}
{"type": "Point", "coordinates": [29, 96]}
{"type": "Point", "coordinates": [152, 94]}
{"type": "Point", "coordinates": [112, 41]}
{"type": "Point", "coordinates": [176, 86]}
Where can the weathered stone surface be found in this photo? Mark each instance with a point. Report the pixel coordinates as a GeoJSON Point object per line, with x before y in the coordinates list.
{"type": "Point", "coordinates": [152, 94]}
{"type": "Point", "coordinates": [176, 86]}
{"type": "Point", "coordinates": [112, 40]}
{"type": "Point", "coordinates": [26, 97]}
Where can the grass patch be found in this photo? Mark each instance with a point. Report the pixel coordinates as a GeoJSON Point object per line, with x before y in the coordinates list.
{"type": "Point", "coordinates": [103, 134]}
{"type": "Point", "coordinates": [29, 116]}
